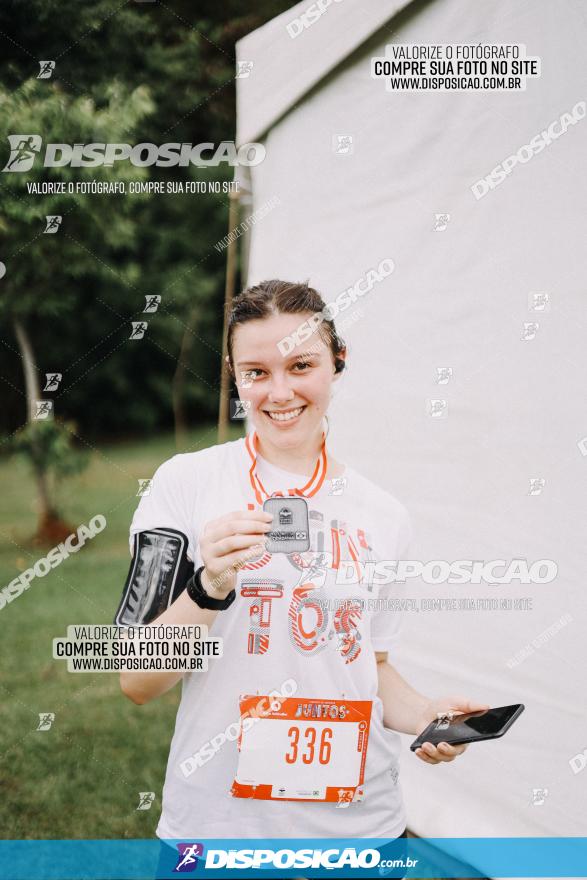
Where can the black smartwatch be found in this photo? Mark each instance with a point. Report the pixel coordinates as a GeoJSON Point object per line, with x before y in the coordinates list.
{"type": "Point", "coordinates": [198, 594]}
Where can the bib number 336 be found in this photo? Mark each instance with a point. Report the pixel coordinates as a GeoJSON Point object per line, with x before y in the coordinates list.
{"type": "Point", "coordinates": [308, 753]}
{"type": "Point", "coordinates": [301, 749]}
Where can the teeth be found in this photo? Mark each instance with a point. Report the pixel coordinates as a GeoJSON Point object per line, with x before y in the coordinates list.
{"type": "Point", "coordinates": [285, 417]}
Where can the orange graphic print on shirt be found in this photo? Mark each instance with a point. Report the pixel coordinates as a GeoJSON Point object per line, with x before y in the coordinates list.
{"type": "Point", "coordinates": [314, 621]}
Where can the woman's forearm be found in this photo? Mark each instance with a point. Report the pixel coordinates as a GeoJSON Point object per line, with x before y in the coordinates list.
{"type": "Point", "coordinates": [140, 687]}
{"type": "Point", "coordinates": [403, 707]}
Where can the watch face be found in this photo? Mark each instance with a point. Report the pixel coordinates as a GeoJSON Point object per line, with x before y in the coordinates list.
{"type": "Point", "coordinates": [290, 529]}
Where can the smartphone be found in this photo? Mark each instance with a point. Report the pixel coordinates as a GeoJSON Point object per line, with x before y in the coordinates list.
{"type": "Point", "coordinates": [290, 529]}
{"type": "Point", "coordinates": [470, 727]}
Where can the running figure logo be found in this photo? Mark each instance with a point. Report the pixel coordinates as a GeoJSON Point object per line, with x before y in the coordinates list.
{"type": "Point", "coordinates": [342, 144]}
{"type": "Point", "coordinates": [437, 408]}
{"type": "Point", "coordinates": [46, 69]}
{"type": "Point", "coordinates": [443, 375]}
{"type": "Point", "coordinates": [53, 380]}
{"type": "Point", "coordinates": [138, 329]}
{"type": "Point", "coordinates": [53, 223]}
{"type": "Point", "coordinates": [42, 409]}
{"type": "Point", "coordinates": [539, 302]}
{"type": "Point", "coordinates": [539, 796]}
{"type": "Point", "coordinates": [188, 857]}
{"type": "Point", "coordinates": [152, 303]}
{"type": "Point", "coordinates": [23, 149]}
{"type": "Point", "coordinates": [441, 221]}
{"type": "Point", "coordinates": [46, 719]}
{"type": "Point", "coordinates": [239, 408]}
{"type": "Point", "coordinates": [345, 797]}
{"type": "Point", "coordinates": [530, 330]}
{"type": "Point", "coordinates": [146, 799]}
{"type": "Point", "coordinates": [243, 69]}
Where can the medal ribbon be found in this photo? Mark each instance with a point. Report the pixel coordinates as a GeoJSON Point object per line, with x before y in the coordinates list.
{"type": "Point", "coordinates": [312, 486]}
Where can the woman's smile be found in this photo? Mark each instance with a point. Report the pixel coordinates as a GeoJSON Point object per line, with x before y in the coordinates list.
{"type": "Point", "coordinates": [285, 417]}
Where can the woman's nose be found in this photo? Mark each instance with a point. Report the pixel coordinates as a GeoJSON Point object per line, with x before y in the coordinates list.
{"type": "Point", "coordinates": [280, 390]}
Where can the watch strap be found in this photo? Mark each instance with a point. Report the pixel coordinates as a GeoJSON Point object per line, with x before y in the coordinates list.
{"type": "Point", "coordinates": [197, 593]}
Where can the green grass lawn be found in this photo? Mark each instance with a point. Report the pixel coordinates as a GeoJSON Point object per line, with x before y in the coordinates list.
{"type": "Point", "coordinates": [81, 778]}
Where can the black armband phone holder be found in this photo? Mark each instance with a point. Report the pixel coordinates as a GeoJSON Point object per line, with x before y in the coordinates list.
{"type": "Point", "coordinates": [158, 573]}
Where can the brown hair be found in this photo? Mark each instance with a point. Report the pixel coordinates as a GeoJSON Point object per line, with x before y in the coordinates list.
{"type": "Point", "coordinates": [285, 297]}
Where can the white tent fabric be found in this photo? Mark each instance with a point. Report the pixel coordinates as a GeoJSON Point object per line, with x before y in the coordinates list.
{"type": "Point", "coordinates": [293, 68]}
{"type": "Point", "coordinates": [457, 298]}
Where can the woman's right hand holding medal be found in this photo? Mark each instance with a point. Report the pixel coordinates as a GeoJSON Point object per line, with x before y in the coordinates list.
{"type": "Point", "coordinates": [228, 543]}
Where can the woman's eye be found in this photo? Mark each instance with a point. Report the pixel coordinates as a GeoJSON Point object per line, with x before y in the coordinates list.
{"type": "Point", "coordinates": [302, 364]}
{"type": "Point", "coordinates": [250, 375]}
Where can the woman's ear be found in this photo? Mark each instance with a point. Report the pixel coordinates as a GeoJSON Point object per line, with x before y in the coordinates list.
{"type": "Point", "coordinates": [340, 362]}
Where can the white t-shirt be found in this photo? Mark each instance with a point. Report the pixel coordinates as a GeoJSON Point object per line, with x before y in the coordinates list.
{"type": "Point", "coordinates": [187, 491]}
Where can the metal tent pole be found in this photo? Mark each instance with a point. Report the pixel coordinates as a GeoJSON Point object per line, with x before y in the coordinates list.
{"type": "Point", "coordinates": [229, 289]}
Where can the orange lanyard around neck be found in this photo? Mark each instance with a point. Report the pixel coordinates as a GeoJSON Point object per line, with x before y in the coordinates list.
{"type": "Point", "coordinates": [312, 486]}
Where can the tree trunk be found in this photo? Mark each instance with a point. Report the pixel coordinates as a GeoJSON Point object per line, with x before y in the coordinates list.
{"type": "Point", "coordinates": [231, 266]}
{"type": "Point", "coordinates": [31, 380]}
{"type": "Point", "coordinates": [48, 514]}
{"type": "Point", "coordinates": [178, 383]}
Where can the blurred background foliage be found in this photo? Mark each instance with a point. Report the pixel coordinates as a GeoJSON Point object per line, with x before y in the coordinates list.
{"type": "Point", "coordinates": [125, 72]}
{"type": "Point", "coordinates": [141, 71]}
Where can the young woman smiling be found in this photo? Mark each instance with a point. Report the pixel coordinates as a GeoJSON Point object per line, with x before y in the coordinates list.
{"type": "Point", "coordinates": [293, 732]}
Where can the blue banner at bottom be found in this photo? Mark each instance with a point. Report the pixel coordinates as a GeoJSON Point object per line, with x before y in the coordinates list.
{"type": "Point", "coordinates": [491, 857]}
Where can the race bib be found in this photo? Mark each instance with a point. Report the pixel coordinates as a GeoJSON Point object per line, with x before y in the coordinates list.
{"type": "Point", "coordinates": [298, 749]}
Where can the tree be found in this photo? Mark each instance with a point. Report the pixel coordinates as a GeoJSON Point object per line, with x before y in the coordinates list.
{"type": "Point", "coordinates": [180, 60]}
{"type": "Point", "coordinates": [42, 284]}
